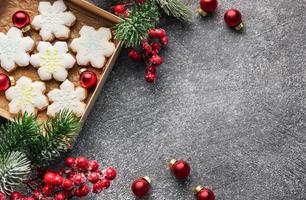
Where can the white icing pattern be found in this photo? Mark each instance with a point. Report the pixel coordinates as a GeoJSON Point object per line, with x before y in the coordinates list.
{"type": "Point", "coordinates": [93, 46]}
{"type": "Point", "coordinates": [14, 49]}
{"type": "Point", "coordinates": [67, 97]}
{"type": "Point", "coordinates": [52, 61]}
{"type": "Point", "coordinates": [53, 20]}
{"type": "Point", "coordinates": [27, 96]}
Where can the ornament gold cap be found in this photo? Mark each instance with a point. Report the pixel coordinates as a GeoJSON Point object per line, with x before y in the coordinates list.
{"type": "Point", "coordinates": [172, 162]}
{"type": "Point", "coordinates": [148, 179]}
{"type": "Point", "coordinates": [202, 12]}
{"type": "Point", "coordinates": [12, 80]}
{"type": "Point", "coordinates": [26, 29]}
{"type": "Point", "coordinates": [82, 70]}
{"type": "Point", "coordinates": [198, 189]}
{"type": "Point", "coordinates": [239, 27]}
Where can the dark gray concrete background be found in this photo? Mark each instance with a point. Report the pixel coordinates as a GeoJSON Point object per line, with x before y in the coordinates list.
{"type": "Point", "coordinates": [231, 104]}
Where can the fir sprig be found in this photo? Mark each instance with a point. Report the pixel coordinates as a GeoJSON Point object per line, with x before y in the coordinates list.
{"type": "Point", "coordinates": [176, 8]}
{"type": "Point", "coordinates": [134, 29]}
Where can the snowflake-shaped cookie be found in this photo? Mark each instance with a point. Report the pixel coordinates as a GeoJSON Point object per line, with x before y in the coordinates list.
{"type": "Point", "coordinates": [93, 46]}
{"type": "Point", "coordinates": [14, 49]}
{"type": "Point", "coordinates": [27, 96]}
{"type": "Point", "coordinates": [52, 61]}
{"type": "Point", "coordinates": [67, 97]}
{"type": "Point", "coordinates": [53, 21]}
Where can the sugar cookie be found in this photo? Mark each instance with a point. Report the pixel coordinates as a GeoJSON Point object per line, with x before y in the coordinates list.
{"type": "Point", "coordinates": [27, 96]}
{"type": "Point", "coordinates": [53, 21]}
{"type": "Point", "coordinates": [93, 46]}
{"type": "Point", "coordinates": [52, 61]}
{"type": "Point", "coordinates": [67, 97]}
{"type": "Point", "coordinates": [14, 49]}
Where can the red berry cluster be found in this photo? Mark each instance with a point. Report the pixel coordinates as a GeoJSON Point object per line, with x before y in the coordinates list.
{"type": "Point", "coordinates": [70, 182]}
{"type": "Point", "coordinates": [149, 52]}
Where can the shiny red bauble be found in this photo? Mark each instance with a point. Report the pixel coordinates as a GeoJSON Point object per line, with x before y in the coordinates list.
{"type": "Point", "coordinates": [5, 82]}
{"type": "Point", "coordinates": [119, 9]}
{"type": "Point", "coordinates": [208, 6]}
{"type": "Point", "coordinates": [21, 19]}
{"type": "Point", "coordinates": [233, 17]}
{"type": "Point", "coordinates": [88, 79]}
{"type": "Point", "coordinates": [179, 168]}
{"type": "Point", "coordinates": [204, 194]}
{"type": "Point", "coordinates": [110, 173]}
{"type": "Point", "coordinates": [141, 187]}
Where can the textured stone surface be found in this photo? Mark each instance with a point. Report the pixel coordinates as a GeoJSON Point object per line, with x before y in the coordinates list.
{"type": "Point", "coordinates": [231, 104]}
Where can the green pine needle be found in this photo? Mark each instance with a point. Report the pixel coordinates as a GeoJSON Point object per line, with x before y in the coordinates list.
{"type": "Point", "coordinates": [14, 169]}
{"type": "Point", "coordinates": [176, 8]}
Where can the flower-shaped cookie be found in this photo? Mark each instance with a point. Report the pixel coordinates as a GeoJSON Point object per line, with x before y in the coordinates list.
{"type": "Point", "coordinates": [67, 97]}
{"type": "Point", "coordinates": [52, 61]}
{"type": "Point", "coordinates": [27, 96]}
{"type": "Point", "coordinates": [93, 46]}
{"type": "Point", "coordinates": [53, 21]}
{"type": "Point", "coordinates": [14, 49]}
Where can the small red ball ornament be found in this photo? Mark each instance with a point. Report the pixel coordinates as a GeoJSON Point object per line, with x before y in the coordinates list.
{"type": "Point", "coordinates": [202, 193]}
{"type": "Point", "coordinates": [119, 9]}
{"type": "Point", "coordinates": [5, 82]}
{"type": "Point", "coordinates": [110, 173]}
{"type": "Point", "coordinates": [207, 6]}
{"type": "Point", "coordinates": [22, 20]}
{"type": "Point", "coordinates": [151, 74]}
{"type": "Point", "coordinates": [180, 168]}
{"type": "Point", "coordinates": [233, 18]}
{"type": "Point", "coordinates": [141, 186]}
{"type": "Point", "coordinates": [88, 79]}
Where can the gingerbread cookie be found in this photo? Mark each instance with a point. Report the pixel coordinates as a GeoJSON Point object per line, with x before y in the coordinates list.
{"type": "Point", "coordinates": [52, 61]}
{"type": "Point", "coordinates": [67, 97]}
{"type": "Point", "coordinates": [27, 96]}
{"type": "Point", "coordinates": [93, 46]}
{"type": "Point", "coordinates": [14, 49]}
{"type": "Point", "coordinates": [53, 21]}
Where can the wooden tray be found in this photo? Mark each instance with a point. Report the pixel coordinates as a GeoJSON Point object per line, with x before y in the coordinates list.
{"type": "Point", "coordinates": [87, 14]}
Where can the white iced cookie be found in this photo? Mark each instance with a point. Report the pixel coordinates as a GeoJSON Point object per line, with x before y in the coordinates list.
{"type": "Point", "coordinates": [52, 61]}
{"type": "Point", "coordinates": [14, 49]}
{"type": "Point", "coordinates": [67, 97]}
{"type": "Point", "coordinates": [27, 96]}
{"type": "Point", "coordinates": [93, 46]}
{"type": "Point", "coordinates": [53, 21]}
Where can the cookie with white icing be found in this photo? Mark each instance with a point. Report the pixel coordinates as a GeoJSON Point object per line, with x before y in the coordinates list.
{"type": "Point", "coordinates": [93, 46]}
{"type": "Point", "coordinates": [52, 61]}
{"type": "Point", "coordinates": [27, 96]}
{"type": "Point", "coordinates": [15, 49]}
{"type": "Point", "coordinates": [67, 97]}
{"type": "Point", "coordinates": [54, 21]}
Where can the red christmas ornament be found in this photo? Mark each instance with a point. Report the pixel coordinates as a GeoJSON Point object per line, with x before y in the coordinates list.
{"type": "Point", "coordinates": [22, 20]}
{"type": "Point", "coordinates": [141, 186]}
{"type": "Point", "coordinates": [134, 55]}
{"type": "Point", "coordinates": [233, 18]}
{"type": "Point", "coordinates": [110, 173]}
{"type": "Point", "coordinates": [119, 9]}
{"type": "Point", "coordinates": [151, 74]}
{"type": "Point", "coordinates": [202, 193]}
{"type": "Point", "coordinates": [207, 6]}
{"type": "Point", "coordinates": [5, 82]}
{"type": "Point", "coordinates": [180, 168]}
{"type": "Point", "coordinates": [88, 79]}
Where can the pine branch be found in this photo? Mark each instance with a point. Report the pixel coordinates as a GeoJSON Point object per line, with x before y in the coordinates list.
{"type": "Point", "coordinates": [176, 8]}
{"type": "Point", "coordinates": [134, 29]}
{"type": "Point", "coordinates": [14, 169]}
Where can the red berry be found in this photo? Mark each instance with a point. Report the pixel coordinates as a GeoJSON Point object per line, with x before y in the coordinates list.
{"type": "Point", "coordinates": [79, 179]}
{"type": "Point", "coordinates": [60, 196]}
{"type": "Point", "coordinates": [99, 171]}
{"type": "Point", "coordinates": [16, 196]}
{"type": "Point", "coordinates": [2, 196]}
{"type": "Point", "coordinates": [93, 165]}
{"type": "Point", "coordinates": [150, 77]}
{"type": "Point", "coordinates": [151, 69]}
{"type": "Point", "coordinates": [160, 32]}
{"type": "Point", "coordinates": [82, 163]}
{"type": "Point", "coordinates": [37, 194]}
{"type": "Point", "coordinates": [28, 198]}
{"type": "Point", "coordinates": [119, 9]}
{"type": "Point", "coordinates": [164, 40]}
{"type": "Point", "coordinates": [67, 184]}
{"type": "Point", "coordinates": [153, 33]}
{"type": "Point", "coordinates": [156, 46]}
{"type": "Point", "coordinates": [104, 183]}
{"type": "Point", "coordinates": [83, 190]}
{"type": "Point", "coordinates": [110, 173]}
{"type": "Point", "coordinates": [94, 177]}
{"type": "Point", "coordinates": [70, 162]}
{"type": "Point", "coordinates": [58, 180]}
{"type": "Point", "coordinates": [147, 47]}
{"type": "Point", "coordinates": [140, 1]}
{"type": "Point", "coordinates": [77, 193]}
{"type": "Point", "coordinates": [49, 178]}
{"type": "Point", "coordinates": [134, 55]}
{"type": "Point", "coordinates": [96, 188]}
{"type": "Point", "coordinates": [156, 60]}
{"type": "Point", "coordinates": [47, 190]}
